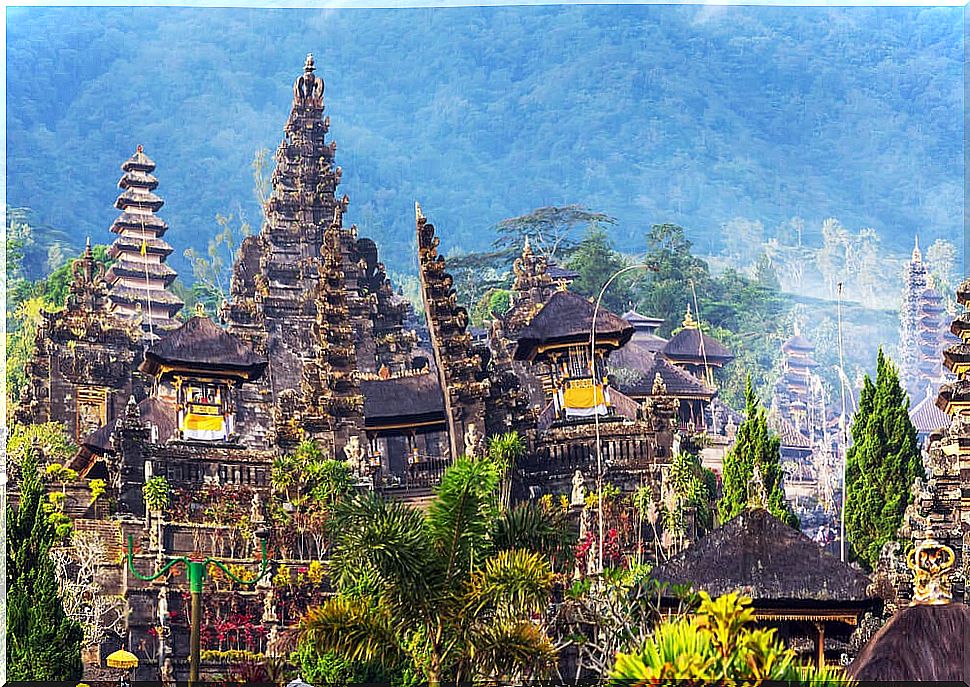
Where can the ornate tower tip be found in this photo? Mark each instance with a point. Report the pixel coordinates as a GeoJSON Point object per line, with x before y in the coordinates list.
{"type": "Point", "coordinates": [139, 148]}
{"type": "Point", "coordinates": [308, 65]}
{"type": "Point", "coordinates": [689, 321]}
{"type": "Point", "coordinates": [418, 215]}
{"type": "Point", "coordinates": [917, 255]}
{"type": "Point", "coordinates": [199, 309]}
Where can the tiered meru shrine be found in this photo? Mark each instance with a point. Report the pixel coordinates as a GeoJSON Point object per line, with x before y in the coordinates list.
{"type": "Point", "coordinates": [315, 343]}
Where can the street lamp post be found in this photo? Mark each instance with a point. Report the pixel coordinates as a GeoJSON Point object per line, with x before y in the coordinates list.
{"type": "Point", "coordinates": [197, 568]}
{"type": "Point", "coordinates": [596, 415]}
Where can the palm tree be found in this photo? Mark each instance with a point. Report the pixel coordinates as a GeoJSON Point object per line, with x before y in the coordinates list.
{"type": "Point", "coordinates": [505, 450]}
{"type": "Point", "coordinates": [432, 591]}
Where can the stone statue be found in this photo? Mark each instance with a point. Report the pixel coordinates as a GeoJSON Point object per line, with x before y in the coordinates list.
{"type": "Point", "coordinates": [168, 672]}
{"type": "Point", "coordinates": [578, 497]}
{"type": "Point", "coordinates": [354, 455]}
{"type": "Point", "coordinates": [148, 471]}
{"type": "Point", "coordinates": [163, 607]}
{"type": "Point", "coordinates": [256, 509]}
{"type": "Point", "coordinates": [269, 610]}
{"type": "Point", "coordinates": [472, 440]}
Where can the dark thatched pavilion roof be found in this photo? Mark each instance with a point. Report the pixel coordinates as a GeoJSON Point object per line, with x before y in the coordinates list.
{"type": "Point", "coordinates": [402, 400]}
{"type": "Point", "coordinates": [920, 643]}
{"type": "Point", "coordinates": [201, 344]}
{"type": "Point", "coordinates": [568, 318]}
{"type": "Point", "coordinates": [685, 346]}
{"type": "Point", "coordinates": [679, 382]}
{"type": "Point", "coordinates": [759, 555]}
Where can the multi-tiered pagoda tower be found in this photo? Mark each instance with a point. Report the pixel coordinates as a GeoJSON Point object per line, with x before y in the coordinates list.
{"type": "Point", "coordinates": [921, 329]}
{"type": "Point", "coordinates": [139, 278]}
{"type": "Point", "coordinates": [794, 389]}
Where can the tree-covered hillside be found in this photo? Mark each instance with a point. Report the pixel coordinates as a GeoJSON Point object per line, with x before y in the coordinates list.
{"type": "Point", "coordinates": [653, 114]}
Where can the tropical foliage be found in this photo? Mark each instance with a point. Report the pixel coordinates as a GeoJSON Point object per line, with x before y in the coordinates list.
{"type": "Point", "coordinates": [882, 463]}
{"type": "Point", "coordinates": [432, 591]}
{"type": "Point", "coordinates": [43, 644]}
{"type": "Point", "coordinates": [756, 449]}
{"type": "Point", "coordinates": [717, 645]}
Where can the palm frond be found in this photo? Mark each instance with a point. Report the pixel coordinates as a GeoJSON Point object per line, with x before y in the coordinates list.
{"type": "Point", "coordinates": [383, 546]}
{"type": "Point", "coordinates": [351, 628]}
{"type": "Point", "coordinates": [530, 526]}
{"type": "Point", "coordinates": [460, 517]}
{"type": "Point", "coordinates": [511, 583]}
{"type": "Point", "coordinates": [504, 650]}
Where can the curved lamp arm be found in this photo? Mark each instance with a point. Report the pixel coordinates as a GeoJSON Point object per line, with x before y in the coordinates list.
{"type": "Point", "coordinates": [149, 578]}
{"type": "Point", "coordinates": [262, 571]}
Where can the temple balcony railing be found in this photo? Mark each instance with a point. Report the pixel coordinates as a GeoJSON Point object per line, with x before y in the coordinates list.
{"type": "Point", "coordinates": [563, 448]}
{"type": "Point", "coordinates": [422, 471]}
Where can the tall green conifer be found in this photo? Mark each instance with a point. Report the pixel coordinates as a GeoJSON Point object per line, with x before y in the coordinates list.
{"type": "Point", "coordinates": [43, 644]}
{"type": "Point", "coordinates": [882, 463]}
{"type": "Point", "coordinates": [755, 446]}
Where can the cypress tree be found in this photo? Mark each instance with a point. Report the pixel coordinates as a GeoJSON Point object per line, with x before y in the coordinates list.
{"type": "Point", "coordinates": [755, 446]}
{"type": "Point", "coordinates": [882, 464]}
{"type": "Point", "coordinates": [43, 644]}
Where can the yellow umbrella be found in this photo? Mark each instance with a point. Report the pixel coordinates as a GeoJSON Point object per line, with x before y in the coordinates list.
{"type": "Point", "coordinates": [122, 659]}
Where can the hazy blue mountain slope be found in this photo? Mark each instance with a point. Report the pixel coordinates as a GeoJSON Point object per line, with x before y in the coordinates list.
{"type": "Point", "coordinates": [693, 115]}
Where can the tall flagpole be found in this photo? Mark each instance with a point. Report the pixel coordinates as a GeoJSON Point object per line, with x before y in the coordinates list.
{"type": "Point", "coordinates": [845, 439]}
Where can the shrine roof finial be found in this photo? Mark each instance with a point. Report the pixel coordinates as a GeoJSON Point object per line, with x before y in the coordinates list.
{"type": "Point", "coordinates": [309, 66]}
{"type": "Point", "coordinates": [418, 215]}
{"type": "Point", "coordinates": [689, 321]}
{"type": "Point", "coordinates": [917, 255]}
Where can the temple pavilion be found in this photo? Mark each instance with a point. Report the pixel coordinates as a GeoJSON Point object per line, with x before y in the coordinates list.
{"type": "Point", "coordinates": [814, 599]}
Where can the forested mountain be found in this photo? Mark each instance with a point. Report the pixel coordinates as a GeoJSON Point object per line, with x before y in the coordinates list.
{"type": "Point", "coordinates": [652, 114]}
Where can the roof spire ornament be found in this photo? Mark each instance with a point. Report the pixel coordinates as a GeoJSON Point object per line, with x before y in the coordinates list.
{"type": "Point", "coordinates": [418, 215]}
{"type": "Point", "coordinates": [932, 565]}
{"type": "Point", "coordinates": [917, 255]}
{"type": "Point", "coordinates": [689, 321]}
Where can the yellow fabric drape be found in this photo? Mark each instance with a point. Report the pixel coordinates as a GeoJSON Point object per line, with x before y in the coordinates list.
{"type": "Point", "coordinates": [583, 396]}
{"type": "Point", "coordinates": [205, 423]}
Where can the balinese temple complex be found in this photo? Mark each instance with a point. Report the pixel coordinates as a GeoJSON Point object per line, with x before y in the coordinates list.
{"type": "Point", "coordinates": [317, 345]}
{"type": "Point", "coordinates": [314, 344]}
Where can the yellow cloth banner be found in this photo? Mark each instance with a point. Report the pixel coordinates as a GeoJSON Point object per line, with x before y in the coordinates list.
{"type": "Point", "coordinates": [583, 396]}
{"type": "Point", "coordinates": [204, 423]}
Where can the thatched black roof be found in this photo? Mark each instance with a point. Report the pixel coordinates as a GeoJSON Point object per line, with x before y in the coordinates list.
{"type": "Point", "coordinates": [568, 318]}
{"type": "Point", "coordinates": [679, 383]}
{"type": "Point", "coordinates": [202, 344]}
{"type": "Point", "coordinates": [139, 198]}
{"type": "Point", "coordinates": [135, 220]}
{"type": "Point", "coordinates": [161, 299]}
{"type": "Point", "coordinates": [139, 161]}
{"type": "Point", "coordinates": [141, 270]}
{"type": "Point", "coordinates": [799, 343]}
{"type": "Point", "coordinates": [759, 555]}
{"type": "Point", "coordinates": [685, 345]}
{"type": "Point", "coordinates": [920, 643]}
{"type": "Point", "coordinates": [130, 244]}
{"type": "Point", "coordinates": [557, 272]}
{"type": "Point", "coordinates": [416, 398]}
